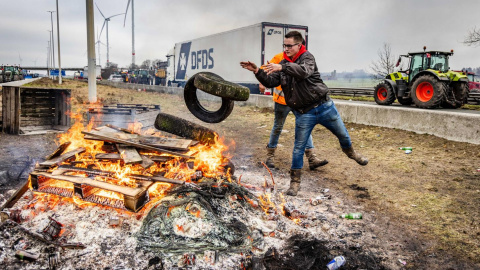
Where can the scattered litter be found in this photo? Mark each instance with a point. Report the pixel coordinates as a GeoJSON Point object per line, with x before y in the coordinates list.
{"type": "Point", "coordinates": [188, 259]}
{"type": "Point", "coordinates": [26, 256]}
{"type": "Point", "coordinates": [14, 214]}
{"type": "Point", "coordinates": [408, 151]}
{"type": "Point", "coordinates": [325, 190]}
{"type": "Point", "coordinates": [406, 148]}
{"type": "Point", "coordinates": [318, 200]}
{"type": "Point", "coordinates": [478, 170]}
{"type": "Point", "coordinates": [262, 126]}
{"type": "Point", "coordinates": [413, 205]}
{"type": "Point", "coordinates": [402, 262]}
{"type": "Point", "coordinates": [210, 256]}
{"type": "Point", "coordinates": [52, 230]}
{"type": "Point", "coordinates": [114, 221]}
{"type": "Point", "coordinates": [352, 216]}
{"type": "Point", "coordinates": [336, 263]}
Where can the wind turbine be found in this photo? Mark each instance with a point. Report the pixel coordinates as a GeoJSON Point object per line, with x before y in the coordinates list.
{"type": "Point", "coordinates": [98, 44]}
{"type": "Point", "coordinates": [133, 30]}
{"type": "Point", "coordinates": [107, 19]}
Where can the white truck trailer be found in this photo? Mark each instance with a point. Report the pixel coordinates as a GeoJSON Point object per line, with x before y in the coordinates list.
{"type": "Point", "coordinates": [221, 53]}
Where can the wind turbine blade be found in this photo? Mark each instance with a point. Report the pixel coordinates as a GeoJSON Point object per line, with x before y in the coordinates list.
{"type": "Point", "coordinates": [115, 15]}
{"type": "Point", "coordinates": [99, 10]}
{"type": "Point", "coordinates": [102, 28]}
{"type": "Point", "coordinates": [126, 11]}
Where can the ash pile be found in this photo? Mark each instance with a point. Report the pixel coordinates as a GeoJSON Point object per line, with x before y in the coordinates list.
{"type": "Point", "coordinates": [114, 198]}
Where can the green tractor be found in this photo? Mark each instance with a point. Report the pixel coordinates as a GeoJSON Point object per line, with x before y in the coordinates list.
{"type": "Point", "coordinates": [12, 73]}
{"type": "Point", "coordinates": [428, 83]}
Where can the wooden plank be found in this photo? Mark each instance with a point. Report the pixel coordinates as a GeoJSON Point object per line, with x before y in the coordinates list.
{"type": "Point", "coordinates": [129, 154]}
{"type": "Point", "coordinates": [134, 192]}
{"type": "Point", "coordinates": [155, 141]}
{"type": "Point", "coordinates": [159, 158]}
{"type": "Point", "coordinates": [58, 151]}
{"type": "Point", "coordinates": [18, 109]}
{"type": "Point", "coordinates": [115, 140]}
{"type": "Point", "coordinates": [16, 196]}
{"type": "Point", "coordinates": [146, 162]}
{"type": "Point", "coordinates": [32, 121]}
{"type": "Point", "coordinates": [164, 142]}
{"type": "Point", "coordinates": [60, 159]}
{"type": "Point", "coordinates": [108, 156]}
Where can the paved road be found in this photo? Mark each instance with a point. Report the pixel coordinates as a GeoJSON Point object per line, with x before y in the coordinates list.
{"type": "Point", "coordinates": [413, 108]}
{"type": "Point", "coordinates": [18, 83]}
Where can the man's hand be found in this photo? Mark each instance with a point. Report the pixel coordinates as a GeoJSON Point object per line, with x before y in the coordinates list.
{"type": "Point", "coordinates": [270, 68]}
{"type": "Point", "coordinates": [249, 66]}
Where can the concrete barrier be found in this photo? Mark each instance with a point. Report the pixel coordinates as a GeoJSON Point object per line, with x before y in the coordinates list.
{"type": "Point", "coordinates": [455, 125]}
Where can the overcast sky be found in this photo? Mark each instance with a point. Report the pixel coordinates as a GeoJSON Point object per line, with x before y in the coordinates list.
{"type": "Point", "coordinates": [344, 35]}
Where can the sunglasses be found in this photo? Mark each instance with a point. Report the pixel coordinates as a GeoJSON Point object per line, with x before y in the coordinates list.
{"type": "Point", "coordinates": [289, 46]}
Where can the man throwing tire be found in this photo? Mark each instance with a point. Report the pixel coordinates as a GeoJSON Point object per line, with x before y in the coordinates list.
{"type": "Point", "coordinates": [281, 111]}
{"type": "Point", "coordinates": [307, 95]}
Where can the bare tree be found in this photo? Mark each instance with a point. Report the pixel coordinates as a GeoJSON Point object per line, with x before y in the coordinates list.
{"type": "Point", "coordinates": [385, 64]}
{"type": "Point", "coordinates": [473, 38]}
{"type": "Point", "coordinates": [146, 64]}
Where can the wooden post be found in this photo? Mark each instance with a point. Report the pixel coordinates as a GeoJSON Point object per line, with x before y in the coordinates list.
{"type": "Point", "coordinates": [11, 109]}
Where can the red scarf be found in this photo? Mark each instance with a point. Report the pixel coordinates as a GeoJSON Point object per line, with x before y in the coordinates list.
{"type": "Point", "coordinates": [300, 52]}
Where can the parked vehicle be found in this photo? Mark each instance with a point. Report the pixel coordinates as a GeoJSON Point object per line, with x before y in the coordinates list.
{"type": "Point", "coordinates": [428, 82]}
{"type": "Point", "coordinates": [221, 53]}
{"type": "Point", "coordinates": [116, 78]}
{"type": "Point", "coordinates": [473, 82]}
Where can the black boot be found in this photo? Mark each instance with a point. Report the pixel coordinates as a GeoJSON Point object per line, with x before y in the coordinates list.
{"type": "Point", "coordinates": [295, 179]}
{"type": "Point", "coordinates": [351, 153]}
{"type": "Point", "coordinates": [313, 161]}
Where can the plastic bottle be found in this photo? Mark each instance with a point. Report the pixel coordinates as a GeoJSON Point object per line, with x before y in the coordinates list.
{"type": "Point", "coordinates": [352, 216]}
{"type": "Point", "coordinates": [405, 148]}
{"type": "Point", "coordinates": [336, 263]}
{"type": "Point", "coordinates": [408, 151]}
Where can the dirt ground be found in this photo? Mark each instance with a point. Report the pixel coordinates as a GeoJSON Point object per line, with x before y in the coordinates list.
{"type": "Point", "coordinates": [421, 207]}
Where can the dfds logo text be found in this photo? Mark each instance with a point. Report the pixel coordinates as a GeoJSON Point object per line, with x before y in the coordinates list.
{"type": "Point", "coordinates": [202, 59]}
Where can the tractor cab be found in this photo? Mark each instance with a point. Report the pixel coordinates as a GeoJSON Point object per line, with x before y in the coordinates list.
{"type": "Point", "coordinates": [435, 60]}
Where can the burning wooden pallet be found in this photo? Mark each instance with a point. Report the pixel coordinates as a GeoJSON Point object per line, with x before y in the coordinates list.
{"type": "Point", "coordinates": [87, 189]}
{"type": "Point", "coordinates": [79, 174]}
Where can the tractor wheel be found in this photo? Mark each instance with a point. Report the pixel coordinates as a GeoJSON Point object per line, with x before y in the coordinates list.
{"type": "Point", "coordinates": [1, 79]}
{"type": "Point", "coordinates": [406, 101]}
{"type": "Point", "coordinates": [428, 92]}
{"type": "Point", "coordinates": [460, 93]}
{"type": "Point", "coordinates": [383, 94]}
{"type": "Point", "coordinates": [194, 106]}
{"type": "Point", "coordinates": [15, 77]}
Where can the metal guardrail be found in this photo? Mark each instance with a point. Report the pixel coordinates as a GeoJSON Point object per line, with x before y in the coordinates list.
{"type": "Point", "coordinates": [473, 98]}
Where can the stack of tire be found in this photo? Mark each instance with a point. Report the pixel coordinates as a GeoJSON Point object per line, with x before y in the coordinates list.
{"type": "Point", "coordinates": [215, 85]}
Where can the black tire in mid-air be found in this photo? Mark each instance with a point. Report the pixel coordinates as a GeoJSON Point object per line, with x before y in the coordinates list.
{"type": "Point", "coordinates": [458, 96]}
{"type": "Point", "coordinates": [194, 106]}
{"type": "Point", "coordinates": [428, 92]}
{"type": "Point", "coordinates": [383, 94]}
{"type": "Point", "coordinates": [213, 84]}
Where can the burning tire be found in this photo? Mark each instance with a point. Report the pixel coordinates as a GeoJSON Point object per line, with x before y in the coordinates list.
{"type": "Point", "coordinates": [428, 92]}
{"type": "Point", "coordinates": [383, 94]}
{"type": "Point", "coordinates": [405, 101]}
{"type": "Point", "coordinates": [215, 85]}
{"type": "Point", "coordinates": [459, 96]}
{"type": "Point", "coordinates": [184, 128]}
{"type": "Point", "coordinates": [194, 106]}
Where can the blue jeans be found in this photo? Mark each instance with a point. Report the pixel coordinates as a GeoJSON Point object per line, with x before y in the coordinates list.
{"type": "Point", "coordinates": [281, 113]}
{"type": "Point", "coordinates": [326, 115]}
